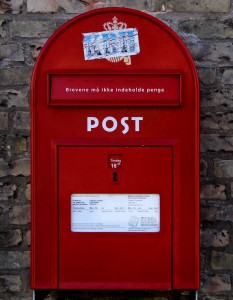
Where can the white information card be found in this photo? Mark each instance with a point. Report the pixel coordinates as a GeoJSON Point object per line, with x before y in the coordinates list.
{"type": "Point", "coordinates": [115, 213]}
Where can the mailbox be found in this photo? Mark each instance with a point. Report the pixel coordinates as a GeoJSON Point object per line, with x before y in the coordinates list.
{"type": "Point", "coordinates": [115, 156]}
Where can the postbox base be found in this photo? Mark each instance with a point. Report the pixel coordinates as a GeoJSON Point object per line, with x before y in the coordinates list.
{"type": "Point", "coordinates": [72, 295]}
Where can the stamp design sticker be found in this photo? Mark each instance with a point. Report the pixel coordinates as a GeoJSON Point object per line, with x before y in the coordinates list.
{"type": "Point", "coordinates": [116, 43]}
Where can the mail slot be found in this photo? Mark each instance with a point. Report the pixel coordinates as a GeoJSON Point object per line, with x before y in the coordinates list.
{"type": "Point", "coordinates": [115, 156]}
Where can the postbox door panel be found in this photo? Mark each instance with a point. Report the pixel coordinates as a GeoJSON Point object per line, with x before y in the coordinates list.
{"type": "Point", "coordinates": [122, 240]}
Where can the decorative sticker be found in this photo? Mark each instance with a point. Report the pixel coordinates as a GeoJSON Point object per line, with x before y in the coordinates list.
{"type": "Point", "coordinates": [116, 43]}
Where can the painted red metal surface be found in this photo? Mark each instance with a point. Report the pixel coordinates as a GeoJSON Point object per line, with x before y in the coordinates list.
{"type": "Point", "coordinates": [155, 136]}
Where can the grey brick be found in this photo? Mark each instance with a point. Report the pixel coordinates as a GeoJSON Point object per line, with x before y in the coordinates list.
{"type": "Point", "coordinates": [216, 284]}
{"type": "Point", "coordinates": [7, 191]}
{"type": "Point", "coordinates": [28, 192]}
{"type": "Point", "coordinates": [223, 168]}
{"type": "Point", "coordinates": [10, 283]}
{"type": "Point", "coordinates": [75, 7]}
{"type": "Point", "coordinates": [221, 261]}
{"type": "Point", "coordinates": [227, 76]}
{"type": "Point", "coordinates": [217, 97]}
{"type": "Point", "coordinates": [3, 120]}
{"type": "Point", "coordinates": [137, 4]}
{"type": "Point", "coordinates": [11, 52]}
{"type": "Point", "coordinates": [42, 6]}
{"type": "Point", "coordinates": [19, 215]}
{"type": "Point", "coordinates": [203, 167]}
{"type": "Point", "coordinates": [207, 75]}
{"type": "Point", "coordinates": [10, 238]}
{"type": "Point", "coordinates": [214, 238]}
{"type": "Point", "coordinates": [15, 144]}
{"type": "Point", "coordinates": [219, 52]}
{"type": "Point", "coordinates": [220, 213]}
{"type": "Point", "coordinates": [13, 6]}
{"type": "Point", "coordinates": [4, 168]}
{"type": "Point", "coordinates": [30, 29]}
{"type": "Point", "coordinates": [208, 28]}
{"type": "Point", "coordinates": [199, 6]}
{"type": "Point", "coordinates": [14, 260]}
{"type": "Point", "coordinates": [15, 76]}
{"type": "Point", "coordinates": [21, 167]}
{"type": "Point", "coordinates": [36, 47]}
{"type": "Point", "coordinates": [21, 120]}
{"type": "Point", "coordinates": [215, 142]}
{"type": "Point", "coordinates": [213, 192]}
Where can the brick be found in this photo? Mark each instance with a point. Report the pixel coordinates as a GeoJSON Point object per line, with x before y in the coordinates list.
{"type": "Point", "coordinates": [217, 120]}
{"type": "Point", "coordinates": [21, 167]}
{"type": "Point", "coordinates": [28, 191]}
{"type": "Point", "coordinates": [221, 213]}
{"type": "Point", "coordinates": [203, 6]}
{"type": "Point", "coordinates": [7, 191]}
{"type": "Point", "coordinates": [15, 76]}
{"type": "Point", "coordinates": [217, 97]}
{"type": "Point", "coordinates": [223, 168]}
{"type": "Point", "coordinates": [137, 4]}
{"type": "Point", "coordinates": [221, 261]}
{"type": "Point", "coordinates": [94, 4]}
{"type": "Point", "coordinates": [196, 48]}
{"type": "Point", "coordinates": [14, 260]}
{"type": "Point", "coordinates": [12, 144]}
{"type": "Point", "coordinates": [215, 142]}
{"type": "Point", "coordinates": [227, 77]}
{"type": "Point", "coordinates": [231, 189]}
{"type": "Point", "coordinates": [214, 238]}
{"type": "Point", "coordinates": [32, 29]}
{"type": "Point", "coordinates": [199, 6]}
{"type": "Point", "coordinates": [11, 52]}
{"type": "Point", "coordinates": [203, 167]}
{"type": "Point", "coordinates": [214, 192]}
{"type": "Point", "coordinates": [15, 144]}
{"type": "Point", "coordinates": [208, 121]}
{"type": "Point", "coordinates": [215, 297]}
{"type": "Point", "coordinates": [207, 75]}
{"type": "Point", "coordinates": [11, 97]}
{"type": "Point", "coordinates": [12, 6]}
{"type": "Point", "coordinates": [208, 28]}
{"type": "Point", "coordinates": [2, 31]}
{"type": "Point", "coordinates": [10, 238]}
{"type": "Point", "coordinates": [42, 6]}
{"type": "Point", "coordinates": [19, 215]}
{"type": "Point", "coordinates": [4, 168]}
{"type": "Point", "coordinates": [36, 47]}
{"type": "Point", "coordinates": [75, 7]}
{"type": "Point", "coordinates": [10, 283]}
{"type": "Point", "coordinates": [21, 120]}
{"type": "Point", "coordinates": [219, 52]}
{"type": "Point", "coordinates": [22, 298]}
{"type": "Point", "coordinates": [28, 238]}
{"type": "Point", "coordinates": [3, 120]}
{"type": "Point", "coordinates": [216, 283]}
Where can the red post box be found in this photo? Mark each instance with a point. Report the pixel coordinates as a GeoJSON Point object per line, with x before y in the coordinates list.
{"type": "Point", "coordinates": [115, 156]}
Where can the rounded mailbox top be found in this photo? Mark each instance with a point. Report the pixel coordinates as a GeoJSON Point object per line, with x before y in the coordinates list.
{"type": "Point", "coordinates": [115, 38]}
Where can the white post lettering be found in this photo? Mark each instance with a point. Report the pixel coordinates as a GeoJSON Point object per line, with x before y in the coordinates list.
{"type": "Point", "coordinates": [126, 126]}
{"type": "Point", "coordinates": [92, 122]}
{"type": "Point", "coordinates": [114, 125]}
{"type": "Point", "coordinates": [137, 120]}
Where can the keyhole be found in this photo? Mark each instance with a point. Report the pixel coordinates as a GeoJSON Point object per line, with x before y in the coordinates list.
{"type": "Point", "coordinates": [114, 178]}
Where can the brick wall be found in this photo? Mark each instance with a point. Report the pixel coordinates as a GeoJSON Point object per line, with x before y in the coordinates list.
{"type": "Point", "coordinates": [206, 26]}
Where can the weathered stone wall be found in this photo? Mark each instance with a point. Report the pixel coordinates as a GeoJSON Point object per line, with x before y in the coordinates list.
{"type": "Point", "coordinates": [206, 26]}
